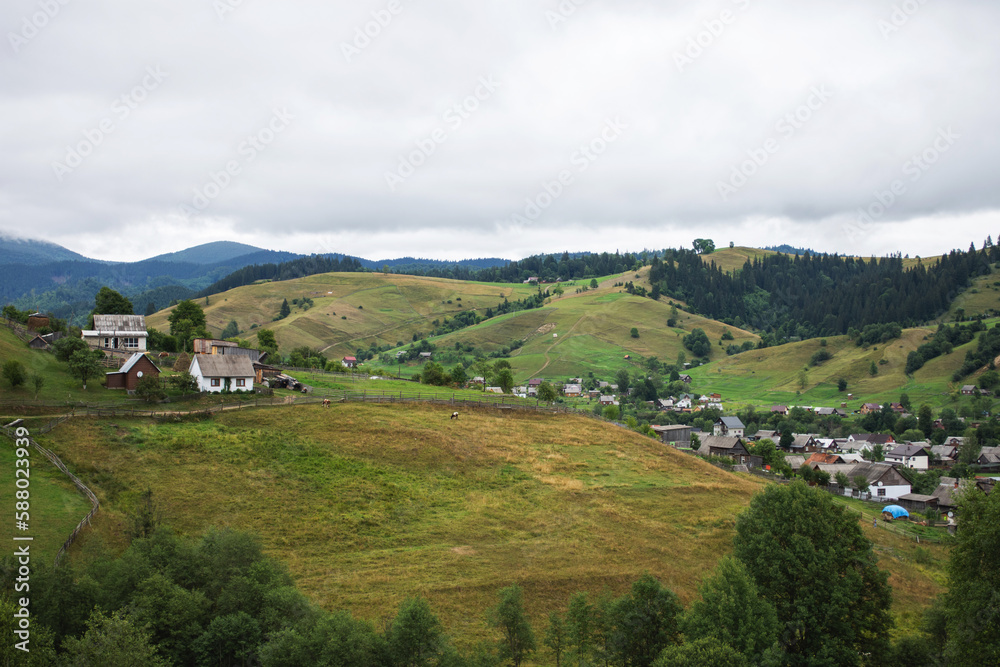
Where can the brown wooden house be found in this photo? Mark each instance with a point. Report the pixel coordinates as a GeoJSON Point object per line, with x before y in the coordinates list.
{"type": "Point", "coordinates": [127, 377]}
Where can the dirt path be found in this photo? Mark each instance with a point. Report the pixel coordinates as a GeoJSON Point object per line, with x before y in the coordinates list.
{"type": "Point", "coordinates": [549, 349]}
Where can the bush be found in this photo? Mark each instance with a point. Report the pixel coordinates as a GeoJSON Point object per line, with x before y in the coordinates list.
{"type": "Point", "coordinates": [148, 389]}
{"type": "Point", "coordinates": [820, 356]}
{"type": "Point", "coordinates": [14, 373]}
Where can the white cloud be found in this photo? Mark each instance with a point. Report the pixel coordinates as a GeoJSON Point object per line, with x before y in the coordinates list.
{"type": "Point", "coordinates": [324, 176]}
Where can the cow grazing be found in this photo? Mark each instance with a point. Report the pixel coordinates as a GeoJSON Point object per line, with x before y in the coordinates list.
{"type": "Point", "coordinates": [326, 402]}
{"type": "Point", "coordinates": [454, 415]}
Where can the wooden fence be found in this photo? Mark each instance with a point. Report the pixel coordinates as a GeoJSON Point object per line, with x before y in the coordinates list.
{"type": "Point", "coordinates": [19, 329]}
{"type": "Point", "coordinates": [94, 503]}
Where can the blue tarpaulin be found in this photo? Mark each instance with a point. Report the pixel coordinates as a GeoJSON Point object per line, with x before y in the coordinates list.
{"type": "Point", "coordinates": [895, 510]}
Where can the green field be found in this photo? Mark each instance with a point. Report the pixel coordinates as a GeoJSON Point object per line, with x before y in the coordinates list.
{"type": "Point", "coordinates": [59, 384]}
{"type": "Point", "coordinates": [56, 506]}
{"type": "Point", "coordinates": [982, 298]}
{"type": "Point", "coordinates": [369, 504]}
{"type": "Point", "coordinates": [774, 375]}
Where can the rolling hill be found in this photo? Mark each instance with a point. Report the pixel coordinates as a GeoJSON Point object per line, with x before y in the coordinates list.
{"type": "Point", "coordinates": [572, 334]}
{"type": "Point", "coordinates": [775, 375]}
{"type": "Point", "coordinates": [370, 504]}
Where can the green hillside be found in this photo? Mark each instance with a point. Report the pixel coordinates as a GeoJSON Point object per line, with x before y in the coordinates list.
{"type": "Point", "coordinates": [351, 310]}
{"type": "Point", "coordinates": [982, 298]}
{"type": "Point", "coordinates": [575, 333]}
{"type": "Point", "coordinates": [370, 504]}
{"type": "Point", "coordinates": [59, 384]}
{"type": "Point", "coordinates": [774, 375]}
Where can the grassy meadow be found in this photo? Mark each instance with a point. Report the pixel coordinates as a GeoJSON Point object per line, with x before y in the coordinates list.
{"type": "Point", "coordinates": [56, 505]}
{"type": "Point", "coordinates": [351, 309]}
{"type": "Point", "coordinates": [369, 504]}
{"type": "Point", "coordinates": [775, 375]}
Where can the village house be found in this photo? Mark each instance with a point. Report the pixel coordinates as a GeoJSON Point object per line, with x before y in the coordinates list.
{"type": "Point", "coordinates": [215, 372]}
{"type": "Point", "coordinates": [426, 356]}
{"type": "Point", "coordinates": [117, 332]}
{"type": "Point", "coordinates": [766, 434]}
{"type": "Point", "coordinates": [779, 409]}
{"type": "Point", "coordinates": [884, 481]}
{"type": "Point", "coordinates": [214, 346]}
{"type": "Point", "coordinates": [127, 377]}
{"type": "Point", "coordinates": [349, 362]}
{"type": "Point", "coordinates": [665, 403]}
{"type": "Point", "coordinates": [685, 378]}
{"type": "Point", "coordinates": [729, 426]}
{"type": "Point", "coordinates": [677, 435]}
{"type": "Point", "coordinates": [804, 443]}
{"type": "Point", "coordinates": [869, 408]}
{"type": "Point", "coordinates": [968, 390]}
{"type": "Point", "coordinates": [909, 456]}
{"type": "Point", "coordinates": [572, 390]}
{"type": "Point", "coordinates": [608, 400]}
{"type": "Point", "coordinates": [943, 456]}
{"type": "Point", "coordinates": [795, 462]}
{"type": "Point", "coordinates": [497, 390]}
{"type": "Point", "coordinates": [730, 447]}
{"type": "Point", "coordinates": [989, 460]}
{"type": "Point", "coordinates": [948, 491]}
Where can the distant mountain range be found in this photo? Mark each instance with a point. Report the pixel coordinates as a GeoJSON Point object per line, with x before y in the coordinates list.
{"type": "Point", "coordinates": [44, 276]}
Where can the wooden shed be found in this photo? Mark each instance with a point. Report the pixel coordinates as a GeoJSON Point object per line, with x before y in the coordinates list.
{"type": "Point", "coordinates": [127, 377]}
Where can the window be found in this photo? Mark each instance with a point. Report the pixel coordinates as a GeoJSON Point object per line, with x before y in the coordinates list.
{"type": "Point", "coordinates": [241, 383]}
{"type": "Point", "coordinates": [216, 382]}
{"type": "Point", "coordinates": [131, 342]}
{"type": "Point", "coordinates": [881, 493]}
{"type": "Point", "coordinates": [106, 342]}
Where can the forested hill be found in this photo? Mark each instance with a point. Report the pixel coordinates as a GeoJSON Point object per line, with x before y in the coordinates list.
{"type": "Point", "coordinates": [789, 295]}
{"type": "Point", "coordinates": [810, 295]}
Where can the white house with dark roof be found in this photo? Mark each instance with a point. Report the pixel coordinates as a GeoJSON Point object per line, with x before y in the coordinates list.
{"type": "Point", "coordinates": [117, 332]}
{"type": "Point", "coordinates": [215, 373]}
{"type": "Point", "coordinates": [729, 426]}
{"type": "Point", "coordinates": [909, 456]}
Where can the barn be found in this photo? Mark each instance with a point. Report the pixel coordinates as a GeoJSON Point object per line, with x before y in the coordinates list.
{"type": "Point", "coordinates": [127, 377]}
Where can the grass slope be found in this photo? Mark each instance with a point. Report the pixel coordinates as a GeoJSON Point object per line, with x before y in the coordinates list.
{"type": "Point", "coordinates": [59, 384]}
{"type": "Point", "coordinates": [592, 328]}
{"type": "Point", "coordinates": [352, 309]}
{"type": "Point", "coordinates": [773, 375]}
{"type": "Point", "coordinates": [56, 506]}
{"type": "Point", "coordinates": [982, 298]}
{"type": "Point", "coordinates": [369, 504]}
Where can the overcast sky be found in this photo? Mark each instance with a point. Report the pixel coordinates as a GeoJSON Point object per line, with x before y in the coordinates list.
{"type": "Point", "coordinates": [448, 129]}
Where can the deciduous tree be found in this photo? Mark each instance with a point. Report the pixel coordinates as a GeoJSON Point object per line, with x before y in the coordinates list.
{"type": "Point", "coordinates": [85, 364]}
{"type": "Point", "coordinates": [518, 640]}
{"type": "Point", "coordinates": [973, 598]}
{"type": "Point", "coordinates": [809, 558]}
